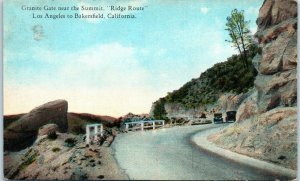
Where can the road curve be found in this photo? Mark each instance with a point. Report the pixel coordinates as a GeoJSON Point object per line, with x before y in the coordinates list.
{"type": "Point", "coordinates": [168, 154]}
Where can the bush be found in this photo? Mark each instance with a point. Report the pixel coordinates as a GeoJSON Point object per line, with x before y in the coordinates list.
{"type": "Point", "coordinates": [159, 111]}
{"type": "Point", "coordinates": [70, 142]}
{"type": "Point", "coordinates": [52, 135]}
{"type": "Point", "coordinates": [56, 149]}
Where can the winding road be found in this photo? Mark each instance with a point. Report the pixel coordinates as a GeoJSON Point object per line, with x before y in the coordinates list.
{"type": "Point", "coordinates": [169, 154]}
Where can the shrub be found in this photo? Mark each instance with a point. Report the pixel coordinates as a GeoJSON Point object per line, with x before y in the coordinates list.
{"type": "Point", "coordinates": [70, 142]}
{"type": "Point", "coordinates": [159, 111]}
{"type": "Point", "coordinates": [52, 135]}
{"type": "Point", "coordinates": [55, 149]}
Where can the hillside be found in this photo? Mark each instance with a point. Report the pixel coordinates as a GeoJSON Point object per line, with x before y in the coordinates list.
{"type": "Point", "coordinates": [225, 77]}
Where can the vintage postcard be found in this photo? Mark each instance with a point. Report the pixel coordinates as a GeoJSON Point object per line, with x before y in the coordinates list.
{"type": "Point", "coordinates": [150, 89]}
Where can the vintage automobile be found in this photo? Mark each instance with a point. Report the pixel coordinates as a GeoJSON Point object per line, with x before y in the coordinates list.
{"type": "Point", "coordinates": [218, 118]}
{"type": "Point", "coordinates": [230, 116]}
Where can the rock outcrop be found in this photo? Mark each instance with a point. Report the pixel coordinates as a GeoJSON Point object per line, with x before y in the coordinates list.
{"type": "Point", "coordinates": [276, 83]}
{"type": "Point", "coordinates": [274, 12]}
{"type": "Point", "coordinates": [248, 108]}
{"type": "Point", "coordinates": [54, 159]}
{"type": "Point", "coordinates": [48, 129]}
{"type": "Point", "coordinates": [266, 125]}
{"type": "Point", "coordinates": [22, 133]}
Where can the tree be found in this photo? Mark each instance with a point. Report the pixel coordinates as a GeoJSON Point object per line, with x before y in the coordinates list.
{"type": "Point", "coordinates": [239, 33]}
{"type": "Point", "coordinates": [159, 111]}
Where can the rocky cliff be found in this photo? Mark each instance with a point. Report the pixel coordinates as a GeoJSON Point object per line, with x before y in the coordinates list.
{"type": "Point", "coordinates": [226, 102]}
{"type": "Point", "coordinates": [266, 125]}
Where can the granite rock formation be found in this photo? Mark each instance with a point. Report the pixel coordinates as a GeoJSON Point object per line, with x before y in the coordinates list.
{"type": "Point", "coordinates": [266, 125]}
{"type": "Point", "coordinates": [22, 133]}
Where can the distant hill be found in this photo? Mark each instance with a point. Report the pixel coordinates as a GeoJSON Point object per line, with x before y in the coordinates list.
{"type": "Point", "coordinates": [229, 76]}
{"type": "Point", "coordinates": [77, 121]}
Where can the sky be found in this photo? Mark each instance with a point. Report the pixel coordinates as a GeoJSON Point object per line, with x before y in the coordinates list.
{"type": "Point", "coordinates": [112, 66]}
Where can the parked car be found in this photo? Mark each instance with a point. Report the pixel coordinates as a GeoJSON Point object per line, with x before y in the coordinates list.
{"type": "Point", "coordinates": [230, 116]}
{"type": "Point", "coordinates": [218, 118]}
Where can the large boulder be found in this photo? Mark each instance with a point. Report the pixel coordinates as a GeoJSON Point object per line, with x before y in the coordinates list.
{"type": "Point", "coordinates": [276, 54]}
{"type": "Point", "coordinates": [230, 102]}
{"type": "Point", "coordinates": [276, 82]}
{"type": "Point", "coordinates": [289, 58]}
{"type": "Point", "coordinates": [48, 129]}
{"type": "Point", "coordinates": [278, 47]}
{"type": "Point", "coordinates": [277, 35]}
{"type": "Point", "coordinates": [273, 12]}
{"type": "Point", "coordinates": [23, 132]}
{"type": "Point", "coordinates": [276, 90]}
